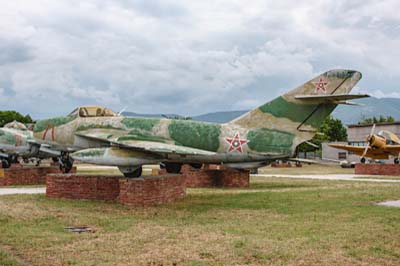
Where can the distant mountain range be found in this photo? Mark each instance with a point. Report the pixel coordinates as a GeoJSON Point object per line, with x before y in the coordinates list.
{"type": "Point", "coordinates": [348, 114]}
{"type": "Point", "coordinates": [371, 107]}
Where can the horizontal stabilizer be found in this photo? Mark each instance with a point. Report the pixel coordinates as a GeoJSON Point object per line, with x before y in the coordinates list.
{"type": "Point", "coordinates": [349, 103]}
{"type": "Point", "coordinates": [332, 98]}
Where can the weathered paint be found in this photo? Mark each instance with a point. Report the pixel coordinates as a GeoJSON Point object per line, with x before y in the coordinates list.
{"type": "Point", "coordinates": [15, 141]}
{"type": "Point", "coordinates": [311, 114]}
{"type": "Point", "coordinates": [146, 124]}
{"type": "Point", "coordinates": [266, 140]}
{"type": "Point", "coordinates": [92, 126]}
{"type": "Point", "coordinates": [197, 135]}
{"type": "Point", "coordinates": [134, 135]}
{"type": "Point", "coordinates": [340, 74]}
{"type": "Point", "coordinates": [42, 125]}
{"type": "Point", "coordinates": [92, 152]}
{"type": "Point", "coordinates": [8, 139]}
{"type": "Point", "coordinates": [273, 130]}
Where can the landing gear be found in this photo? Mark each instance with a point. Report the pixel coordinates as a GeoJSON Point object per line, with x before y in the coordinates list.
{"type": "Point", "coordinates": [13, 159]}
{"type": "Point", "coordinates": [66, 162]}
{"type": "Point", "coordinates": [396, 160]}
{"type": "Point", "coordinates": [254, 171]}
{"type": "Point", "coordinates": [196, 165]}
{"type": "Point", "coordinates": [130, 172]}
{"type": "Point", "coordinates": [362, 160]}
{"type": "Point", "coordinates": [173, 168]}
{"type": "Point", "coordinates": [5, 163]}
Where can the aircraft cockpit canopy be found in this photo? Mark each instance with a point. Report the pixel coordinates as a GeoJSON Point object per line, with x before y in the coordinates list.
{"type": "Point", "coordinates": [384, 134]}
{"type": "Point", "coordinates": [390, 138]}
{"type": "Point", "coordinates": [92, 111]}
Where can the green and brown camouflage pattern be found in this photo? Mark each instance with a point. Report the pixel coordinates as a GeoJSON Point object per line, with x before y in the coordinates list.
{"type": "Point", "coordinates": [271, 131]}
{"type": "Point", "coordinates": [15, 141]}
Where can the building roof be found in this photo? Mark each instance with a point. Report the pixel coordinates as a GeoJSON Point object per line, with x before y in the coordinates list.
{"type": "Point", "coordinates": [378, 124]}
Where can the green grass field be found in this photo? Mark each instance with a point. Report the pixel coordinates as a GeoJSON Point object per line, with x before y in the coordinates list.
{"type": "Point", "coordinates": [275, 222]}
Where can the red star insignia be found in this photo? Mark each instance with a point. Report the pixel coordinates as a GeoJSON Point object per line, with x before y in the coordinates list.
{"type": "Point", "coordinates": [236, 143]}
{"type": "Point", "coordinates": [320, 85]}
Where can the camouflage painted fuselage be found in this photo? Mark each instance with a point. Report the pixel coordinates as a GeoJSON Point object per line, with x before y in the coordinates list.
{"type": "Point", "coordinates": [269, 132]}
{"type": "Point", "coordinates": [260, 143]}
{"type": "Point", "coordinates": [15, 142]}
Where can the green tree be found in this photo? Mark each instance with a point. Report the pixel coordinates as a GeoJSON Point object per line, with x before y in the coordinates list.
{"type": "Point", "coordinates": [9, 116]}
{"type": "Point", "coordinates": [331, 130]}
{"type": "Point", "coordinates": [374, 120]}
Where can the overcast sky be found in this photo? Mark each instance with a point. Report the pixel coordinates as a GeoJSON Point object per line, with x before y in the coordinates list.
{"type": "Point", "coordinates": [187, 57]}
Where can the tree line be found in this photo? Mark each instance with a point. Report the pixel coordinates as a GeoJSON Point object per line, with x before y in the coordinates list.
{"type": "Point", "coordinates": [9, 116]}
{"type": "Point", "coordinates": [333, 130]}
{"type": "Point", "coordinates": [374, 120]}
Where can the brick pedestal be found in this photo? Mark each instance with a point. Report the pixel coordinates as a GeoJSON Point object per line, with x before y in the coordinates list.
{"type": "Point", "coordinates": [212, 177]}
{"type": "Point", "coordinates": [75, 186]}
{"type": "Point", "coordinates": [151, 190]}
{"type": "Point", "coordinates": [145, 191]}
{"type": "Point", "coordinates": [27, 175]}
{"type": "Point", "coordinates": [377, 169]}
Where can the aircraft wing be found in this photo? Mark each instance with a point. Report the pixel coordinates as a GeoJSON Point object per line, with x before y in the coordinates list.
{"type": "Point", "coordinates": [393, 149]}
{"type": "Point", "coordinates": [331, 98]}
{"type": "Point", "coordinates": [355, 149]}
{"type": "Point", "coordinates": [160, 148]}
{"type": "Point", "coordinates": [100, 135]}
{"type": "Point", "coordinates": [137, 143]}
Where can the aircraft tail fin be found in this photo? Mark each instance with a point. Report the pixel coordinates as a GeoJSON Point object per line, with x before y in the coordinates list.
{"type": "Point", "coordinates": [305, 107]}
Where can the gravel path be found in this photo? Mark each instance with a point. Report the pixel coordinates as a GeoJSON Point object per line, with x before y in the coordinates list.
{"type": "Point", "coordinates": [392, 203]}
{"type": "Point", "coordinates": [10, 191]}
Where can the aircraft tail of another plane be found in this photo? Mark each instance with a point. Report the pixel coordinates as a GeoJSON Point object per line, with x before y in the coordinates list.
{"type": "Point", "coordinates": [304, 108]}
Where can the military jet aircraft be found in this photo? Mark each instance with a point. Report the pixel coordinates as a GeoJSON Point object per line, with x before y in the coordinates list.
{"type": "Point", "coordinates": [272, 131]}
{"type": "Point", "coordinates": [379, 146]}
{"type": "Point", "coordinates": [17, 141]}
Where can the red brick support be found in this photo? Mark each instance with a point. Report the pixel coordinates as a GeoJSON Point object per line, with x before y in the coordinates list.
{"type": "Point", "coordinates": [377, 169]}
{"type": "Point", "coordinates": [75, 186]}
{"type": "Point", "coordinates": [27, 175]}
{"type": "Point", "coordinates": [151, 190]}
{"type": "Point", "coordinates": [214, 177]}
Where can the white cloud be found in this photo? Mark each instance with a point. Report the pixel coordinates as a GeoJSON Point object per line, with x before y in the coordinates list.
{"type": "Point", "coordinates": [187, 57]}
{"type": "Point", "coordinates": [381, 94]}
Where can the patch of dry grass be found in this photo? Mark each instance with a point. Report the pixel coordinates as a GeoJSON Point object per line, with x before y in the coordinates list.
{"type": "Point", "coordinates": [276, 221]}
